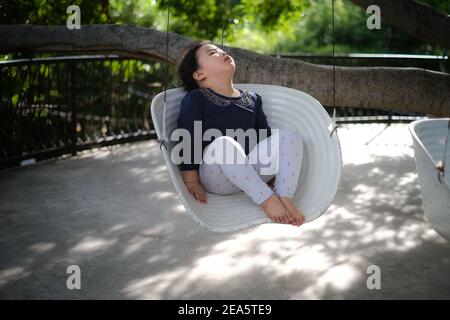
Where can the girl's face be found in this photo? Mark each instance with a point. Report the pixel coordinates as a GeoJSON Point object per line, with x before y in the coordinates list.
{"type": "Point", "coordinates": [213, 62]}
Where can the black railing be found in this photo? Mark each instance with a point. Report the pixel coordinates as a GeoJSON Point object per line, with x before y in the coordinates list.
{"type": "Point", "coordinates": [55, 106]}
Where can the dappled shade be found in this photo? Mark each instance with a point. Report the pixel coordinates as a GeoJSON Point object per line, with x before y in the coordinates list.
{"type": "Point", "coordinates": [115, 213]}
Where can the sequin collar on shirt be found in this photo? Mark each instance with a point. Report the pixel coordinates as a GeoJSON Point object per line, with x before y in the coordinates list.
{"type": "Point", "coordinates": [244, 101]}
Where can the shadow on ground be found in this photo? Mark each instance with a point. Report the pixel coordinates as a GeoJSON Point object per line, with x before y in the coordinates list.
{"type": "Point", "coordinates": [116, 215]}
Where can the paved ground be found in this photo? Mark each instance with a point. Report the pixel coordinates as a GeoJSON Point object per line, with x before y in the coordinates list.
{"type": "Point", "coordinates": [113, 212]}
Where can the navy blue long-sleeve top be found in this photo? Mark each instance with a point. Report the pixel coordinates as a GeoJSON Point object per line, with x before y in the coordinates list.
{"type": "Point", "coordinates": [221, 112]}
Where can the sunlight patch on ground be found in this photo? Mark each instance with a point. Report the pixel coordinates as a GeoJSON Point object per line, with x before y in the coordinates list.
{"type": "Point", "coordinates": [179, 210]}
{"type": "Point", "coordinates": [161, 195]}
{"type": "Point", "coordinates": [337, 278]}
{"type": "Point", "coordinates": [154, 287]}
{"type": "Point", "coordinates": [138, 241]}
{"type": "Point", "coordinates": [12, 274]}
{"type": "Point", "coordinates": [278, 250]}
{"type": "Point", "coordinates": [42, 247]}
{"type": "Point", "coordinates": [117, 227]}
{"type": "Point", "coordinates": [90, 244]}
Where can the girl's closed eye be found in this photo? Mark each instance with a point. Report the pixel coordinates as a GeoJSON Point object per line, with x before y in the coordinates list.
{"type": "Point", "coordinates": [216, 51]}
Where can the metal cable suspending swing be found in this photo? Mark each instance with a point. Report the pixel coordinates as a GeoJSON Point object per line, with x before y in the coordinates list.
{"type": "Point", "coordinates": [334, 125]}
{"type": "Point", "coordinates": [162, 142]}
{"type": "Point", "coordinates": [224, 13]}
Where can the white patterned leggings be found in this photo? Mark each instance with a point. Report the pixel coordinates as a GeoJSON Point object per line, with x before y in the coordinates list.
{"type": "Point", "coordinates": [244, 173]}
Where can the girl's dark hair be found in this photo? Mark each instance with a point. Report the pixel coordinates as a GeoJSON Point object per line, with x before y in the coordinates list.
{"type": "Point", "coordinates": [187, 65]}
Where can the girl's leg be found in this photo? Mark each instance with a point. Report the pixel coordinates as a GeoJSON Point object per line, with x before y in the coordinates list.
{"type": "Point", "coordinates": [214, 180]}
{"type": "Point", "coordinates": [284, 149]}
{"type": "Point", "coordinates": [230, 161]}
{"type": "Point", "coordinates": [291, 158]}
{"type": "Point", "coordinates": [286, 160]}
{"type": "Point", "coordinates": [223, 174]}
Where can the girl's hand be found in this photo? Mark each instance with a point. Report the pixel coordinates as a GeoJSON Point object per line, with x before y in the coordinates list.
{"type": "Point", "coordinates": [196, 190]}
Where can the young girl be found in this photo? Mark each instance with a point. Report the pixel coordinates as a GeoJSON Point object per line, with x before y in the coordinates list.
{"type": "Point", "coordinates": [206, 72]}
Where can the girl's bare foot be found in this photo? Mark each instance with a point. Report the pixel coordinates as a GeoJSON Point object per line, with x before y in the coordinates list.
{"type": "Point", "coordinates": [275, 210]}
{"type": "Point", "coordinates": [297, 216]}
{"type": "Point", "coordinates": [197, 191]}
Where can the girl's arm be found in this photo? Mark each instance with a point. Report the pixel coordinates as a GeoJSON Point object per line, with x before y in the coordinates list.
{"type": "Point", "coordinates": [190, 111]}
{"type": "Point", "coordinates": [261, 119]}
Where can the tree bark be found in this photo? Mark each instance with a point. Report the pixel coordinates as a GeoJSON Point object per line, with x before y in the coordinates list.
{"type": "Point", "coordinates": [399, 89]}
{"type": "Point", "coordinates": [417, 19]}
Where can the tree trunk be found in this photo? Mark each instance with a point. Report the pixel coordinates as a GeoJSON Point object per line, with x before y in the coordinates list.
{"type": "Point", "coordinates": [417, 19]}
{"type": "Point", "coordinates": [399, 89]}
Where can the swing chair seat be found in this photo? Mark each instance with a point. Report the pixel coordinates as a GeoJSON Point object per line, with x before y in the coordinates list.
{"type": "Point", "coordinates": [428, 140]}
{"type": "Point", "coordinates": [285, 108]}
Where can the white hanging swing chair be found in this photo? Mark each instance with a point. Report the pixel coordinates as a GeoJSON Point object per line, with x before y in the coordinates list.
{"type": "Point", "coordinates": [430, 139]}
{"type": "Point", "coordinates": [285, 108]}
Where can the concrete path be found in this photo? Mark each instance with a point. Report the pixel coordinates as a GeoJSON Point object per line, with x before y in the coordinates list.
{"type": "Point", "coordinates": [114, 213]}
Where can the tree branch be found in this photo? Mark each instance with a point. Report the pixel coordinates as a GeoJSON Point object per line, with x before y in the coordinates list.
{"type": "Point", "coordinates": [400, 89]}
{"type": "Point", "coordinates": [415, 18]}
